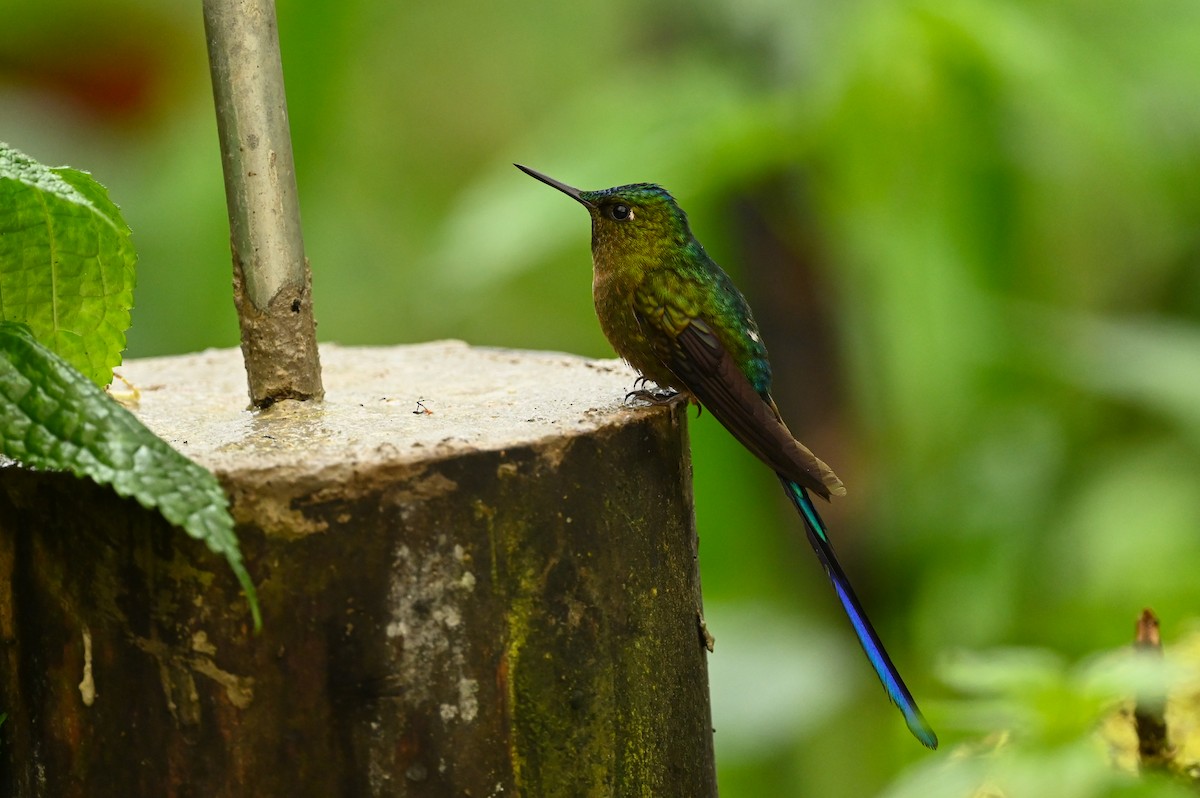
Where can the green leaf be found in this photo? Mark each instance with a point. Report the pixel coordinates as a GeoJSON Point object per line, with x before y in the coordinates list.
{"type": "Point", "coordinates": [52, 417]}
{"type": "Point", "coordinates": [66, 262]}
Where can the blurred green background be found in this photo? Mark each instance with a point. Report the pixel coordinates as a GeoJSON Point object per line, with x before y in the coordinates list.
{"type": "Point", "coordinates": [970, 230]}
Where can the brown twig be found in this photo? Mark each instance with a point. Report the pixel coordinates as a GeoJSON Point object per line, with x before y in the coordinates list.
{"type": "Point", "coordinates": [1149, 712]}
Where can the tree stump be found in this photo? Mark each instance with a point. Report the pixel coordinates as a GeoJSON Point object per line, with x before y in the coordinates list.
{"type": "Point", "coordinates": [478, 577]}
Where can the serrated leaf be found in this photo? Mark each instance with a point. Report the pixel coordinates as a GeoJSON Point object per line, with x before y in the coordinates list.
{"type": "Point", "coordinates": [66, 262]}
{"type": "Point", "coordinates": [52, 417]}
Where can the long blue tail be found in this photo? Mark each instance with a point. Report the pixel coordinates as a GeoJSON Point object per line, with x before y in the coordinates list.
{"type": "Point", "coordinates": [871, 644]}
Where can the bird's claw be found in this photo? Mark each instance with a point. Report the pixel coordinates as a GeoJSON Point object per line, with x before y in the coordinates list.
{"type": "Point", "coordinates": [658, 397]}
{"type": "Point", "coordinates": [663, 397]}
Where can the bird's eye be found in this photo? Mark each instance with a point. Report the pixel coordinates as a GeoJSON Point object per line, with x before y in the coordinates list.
{"type": "Point", "coordinates": [620, 212]}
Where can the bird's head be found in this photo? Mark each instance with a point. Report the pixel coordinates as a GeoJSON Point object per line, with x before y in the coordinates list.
{"type": "Point", "coordinates": [638, 220]}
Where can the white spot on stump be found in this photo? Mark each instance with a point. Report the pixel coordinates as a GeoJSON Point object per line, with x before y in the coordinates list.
{"type": "Point", "coordinates": [87, 687]}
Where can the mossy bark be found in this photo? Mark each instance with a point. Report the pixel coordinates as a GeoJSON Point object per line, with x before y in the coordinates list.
{"type": "Point", "coordinates": [458, 621]}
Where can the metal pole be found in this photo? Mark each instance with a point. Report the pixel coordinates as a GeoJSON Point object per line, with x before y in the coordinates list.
{"type": "Point", "coordinates": [271, 276]}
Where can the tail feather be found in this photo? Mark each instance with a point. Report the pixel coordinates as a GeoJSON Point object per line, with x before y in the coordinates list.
{"type": "Point", "coordinates": [871, 644]}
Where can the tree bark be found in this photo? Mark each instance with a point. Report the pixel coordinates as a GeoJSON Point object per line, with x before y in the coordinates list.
{"type": "Point", "coordinates": [493, 592]}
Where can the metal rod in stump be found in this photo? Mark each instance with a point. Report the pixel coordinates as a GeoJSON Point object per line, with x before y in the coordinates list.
{"type": "Point", "coordinates": [271, 277]}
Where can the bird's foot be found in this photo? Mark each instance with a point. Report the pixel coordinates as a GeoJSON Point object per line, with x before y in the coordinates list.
{"type": "Point", "coordinates": [663, 396]}
{"type": "Point", "coordinates": [658, 396]}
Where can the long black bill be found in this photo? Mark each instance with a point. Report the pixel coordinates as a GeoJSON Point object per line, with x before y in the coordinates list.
{"type": "Point", "coordinates": [570, 191]}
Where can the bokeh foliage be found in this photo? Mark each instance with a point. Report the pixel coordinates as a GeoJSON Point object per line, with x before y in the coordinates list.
{"type": "Point", "coordinates": [969, 227]}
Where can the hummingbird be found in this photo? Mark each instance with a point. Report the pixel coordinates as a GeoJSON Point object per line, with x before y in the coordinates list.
{"type": "Point", "coordinates": [676, 317]}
